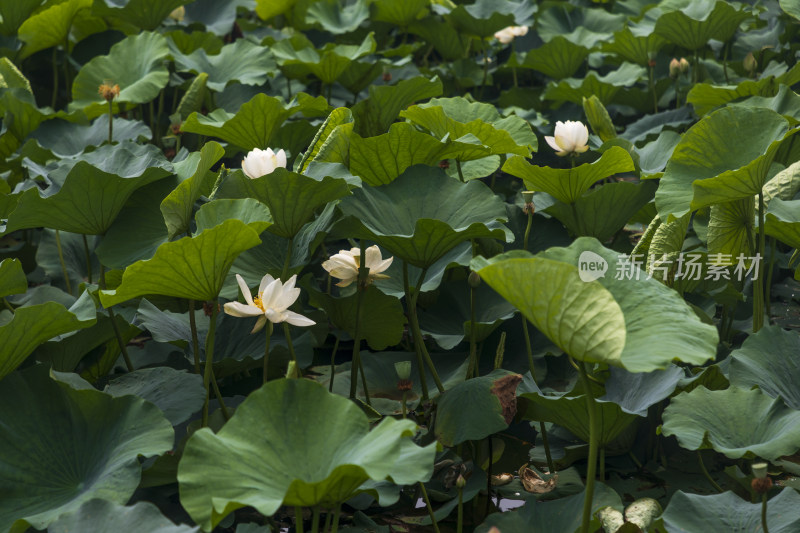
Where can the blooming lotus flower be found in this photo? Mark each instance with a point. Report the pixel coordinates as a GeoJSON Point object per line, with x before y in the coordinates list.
{"type": "Point", "coordinates": [506, 35]}
{"type": "Point", "coordinates": [570, 137]}
{"type": "Point", "coordinates": [344, 265]}
{"type": "Point", "coordinates": [272, 303]}
{"type": "Point", "coordinates": [259, 163]}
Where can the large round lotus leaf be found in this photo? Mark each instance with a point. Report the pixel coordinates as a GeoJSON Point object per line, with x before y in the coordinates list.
{"type": "Point", "coordinates": [692, 23]}
{"type": "Point", "coordinates": [293, 443]}
{"type": "Point", "coordinates": [94, 190]}
{"type": "Point", "coordinates": [145, 14]}
{"type": "Point", "coordinates": [60, 447]}
{"type": "Point", "coordinates": [241, 61]}
{"type": "Point", "coordinates": [12, 277]}
{"type": "Point", "coordinates": [783, 221]}
{"type": "Point", "coordinates": [769, 359]}
{"type": "Point", "coordinates": [298, 57]}
{"type": "Point", "coordinates": [484, 17]}
{"type": "Point", "coordinates": [338, 19]}
{"type": "Point", "coordinates": [424, 213]}
{"type": "Point", "coordinates": [636, 392]}
{"type": "Point", "coordinates": [559, 58]}
{"type": "Point", "coordinates": [709, 165]}
{"type": "Point", "coordinates": [192, 267]}
{"type": "Point", "coordinates": [568, 184]}
{"type": "Point", "coordinates": [65, 138]}
{"type": "Point", "coordinates": [694, 513]}
{"type": "Point", "coordinates": [50, 27]}
{"type": "Point", "coordinates": [638, 324]}
{"type": "Point", "coordinates": [736, 422]}
{"type": "Point", "coordinates": [102, 516]}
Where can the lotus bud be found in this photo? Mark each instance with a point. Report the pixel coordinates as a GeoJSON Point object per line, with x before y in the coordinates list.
{"type": "Point", "coordinates": [749, 63]}
{"type": "Point", "coordinates": [674, 68]}
{"type": "Point", "coordinates": [684, 65]}
{"type": "Point", "coordinates": [461, 482]}
{"type": "Point", "coordinates": [474, 280]}
{"type": "Point", "coordinates": [108, 91]}
{"type": "Point", "coordinates": [292, 371]}
{"type": "Point", "coordinates": [259, 162]}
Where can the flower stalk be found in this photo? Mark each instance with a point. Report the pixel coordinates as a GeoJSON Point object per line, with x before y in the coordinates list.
{"type": "Point", "coordinates": [212, 329]}
{"type": "Point", "coordinates": [591, 467]}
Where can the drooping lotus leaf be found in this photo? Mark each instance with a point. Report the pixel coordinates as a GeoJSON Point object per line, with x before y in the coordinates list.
{"type": "Point", "coordinates": [242, 61]}
{"type": "Point", "coordinates": [292, 198]}
{"type": "Point", "coordinates": [65, 138]}
{"type": "Point", "coordinates": [177, 393]}
{"type": "Point", "coordinates": [64, 353]}
{"type": "Point", "coordinates": [785, 102]}
{"type": "Point", "coordinates": [582, 26]}
{"type": "Point", "coordinates": [638, 324]}
{"type": "Point", "coordinates": [783, 221]}
{"type": "Point", "coordinates": [256, 122]}
{"type": "Point", "coordinates": [484, 17]}
{"type": "Point", "coordinates": [94, 190]}
{"type": "Point", "coordinates": [445, 39]}
{"type": "Point", "coordinates": [768, 359]}
{"type": "Point", "coordinates": [136, 64]}
{"type": "Point", "coordinates": [50, 27]}
{"type": "Point", "coordinates": [103, 516]}
{"type": "Point", "coordinates": [656, 123]}
{"type": "Point", "coordinates": [477, 408]}
{"type": "Point", "coordinates": [635, 393]}
{"type": "Point", "coordinates": [337, 18]}
{"type": "Point", "coordinates": [602, 212]}
{"type": "Point", "coordinates": [735, 422]}
{"type": "Point", "coordinates": [144, 14]}
{"type": "Point", "coordinates": [457, 119]}
{"type": "Point", "coordinates": [32, 325]}
{"type": "Point", "coordinates": [568, 184]}
{"type": "Point", "coordinates": [558, 58]}
{"type": "Point", "coordinates": [374, 114]}
{"type": "Point", "coordinates": [61, 447]}
{"type": "Point", "coordinates": [693, 513]}
{"type": "Point", "coordinates": [266, 457]}
{"type": "Point", "coordinates": [424, 213]}
{"type": "Point", "coordinates": [730, 230]}
{"type": "Point", "coordinates": [248, 210]}
{"type": "Point", "coordinates": [339, 116]}
{"type": "Point", "coordinates": [459, 255]}
{"type": "Point", "coordinates": [720, 167]}
{"type": "Point", "coordinates": [604, 87]}
{"type": "Point", "coordinates": [192, 267]}
{"type": "Point", "coordinates": [692, 23]}
{"type": "Point", "coordinates": [298, 57]}
{"type": "Point", "coordinates": [634, 45]}
{"type": "Point", "coordinates": [12, 277]}
{"type": "Point", "coordinates": [21, 105]}
{"type": "Point", "coordinates": [197, 180]}
{"type": "Point", "coordinates": [13, 14]}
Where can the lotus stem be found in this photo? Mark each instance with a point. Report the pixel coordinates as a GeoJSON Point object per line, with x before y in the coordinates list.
{"type": "Point", "coordinates": [55, 78]}
{"type": "Point", "coordinates": [356, 365]}
{"type": "Point", "coordinates": [677, 93]}
{"type": "Point", "coordinates": [117, 333]}
{"type": "Point", "coordinates": [460, 523]}
{"type": "Point", "coordinates": [315, 520]}
{"type": "Point", "coordinates": [66, 62]}
{"type": "Point", "coordinates": [63, 263]}
{"type": "Point", "coordinates": [420, 363]}
{"type": "Point", "coordinates": [591, 467]}
{"type": "Point", "coordinates": [472, 369]}
{"type": "Point", "coordinates": [8, 305]}
{"type": "Point", "coordinates": [285, 271]}
{"type": "Point", "coordinates": [403, 405]}
{"type": "Point", "coordinates": [333, 362]}
{"type": "Point", "coordinates": [110, 121]}
{"type": "Point", "coordinates": [758, 279]}
{"type": "Point", "coordinates": [289, 341]}
{"type": "Point", "coordinates": [157, 132]}
{"type": "Point", "coordinates": [418, 340]}
{"type": "Point", "coordinates": [460, 172]}
{"type": "Point", "coordinates": [212, 328]}
{"type": "Point", "coordinates": [298, 518]}
{"type": "Point", "coordinates": [705, 473]}
{"type": "Point", "coordinates": [764, 513]}
{"type": "Point", "coordinates": [268, 329]}
{"type": "Point", "coordinates": [328, 519]}
{"type": "Point", "coordinates": [195, 340]}
{"type": "Point", "coordinates": [88, 258]}
{"type": "Point", "coordinates": [651, 76]}
{"type": "Point", "coordinates": [770, 267]}
{"type": "Point", "coordinates": [335, 526]}
{"type": "Point", "coordinates": [429, 506]}
{"type": "Point", "coordinates": [218, 394]}
{"type": "Point", "coordinates": [602, 463]}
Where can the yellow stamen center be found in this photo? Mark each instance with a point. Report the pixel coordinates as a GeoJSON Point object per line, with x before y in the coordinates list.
{"type": "Point", "coordinates": [257, 303]}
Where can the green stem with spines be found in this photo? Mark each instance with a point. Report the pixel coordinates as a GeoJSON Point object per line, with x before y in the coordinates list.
{"type": "Point", "coordinates": [420, 363]}
{"type": "Point", "coordinates": [195, 338]}
{"type": "Point", "coordinates": [764, 513]}
{"type": "Point", "coordinates": [429, 506]}
{"type": "Point", "coordinates": [117, 333]}
{"type": "Point", "coordinates": [212, 329]}
{"type": "Point", "coordinates": [591, 467]}
{"type": "Point", "coordinates": [418, 339]}
{"type": "Point", "coordinates": [268, 330]}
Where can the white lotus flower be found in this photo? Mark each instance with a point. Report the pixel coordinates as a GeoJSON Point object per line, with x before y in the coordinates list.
{"type": "Point", "coordinates": [259, 163]}
{"type": "Point", "coordinates": [272, 303]}
{"type": "Point", "coordinates": [344, 265]}
{"type": "Point", "coordinates": [506, 35]}
{"type": "Point", "coordinates": [570, 137]}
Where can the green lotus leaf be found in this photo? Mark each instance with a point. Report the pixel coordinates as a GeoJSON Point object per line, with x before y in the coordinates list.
{"type": "Point", "coordinates": [197, 180]}
{"type": "Point", "coordinates": [13, 14]}
{"type": "Point", "coordinates": [457, 118]}
{"type": "Point", "coordinates": [692, 23]}
{"type": "Point", "coordinates": [558, 58]}
{"type": "Point", "coordinates": [568, 184]}
{"type": "Point", "coordinates": [266, 9]}
{"type": "Point", "coordinates": [50, 27]}
{"type": "Point", "coordinates": [599, 119]}
{"type": "Point", "coordinates": [242, 61]}
{"type": "Point", "coordinates": [33, 325]}
{"type": "Point", "coordinates": [603, 87]}
{"type": "Point", "coordinates": [718, 166]}
{"type": "Point", "coordinates": [292, 198]}
{"type": "Point", "coordinates": [735, 422]}
{"type": "Point", "coordinates": [177, 393]}
{"type": "Point", "coordinates": [445, 39]}
{"type": "Point", "coordinates": [767, 359]}
{"type": "Point", "coordinates": [786, 102]}
{"type": "Point", "coordinates": [136, 64]}
{"type": "Point", "coordinates": [693, 513]}
{"type": "Point", "coordinates": [582, 26]}
{"type": "Point", "coordinates": [459, 255]}
{"type": "Point", "coordinates": [730, 230]}
{"type": "Point", "coordinates": [193, 98]}
{"type": "Point", "coordinates": [423, 214]}
{"type": "Point", "coordinates": [264, 458]}
{"type": "Point", "coordinates": [339, 116]}
{"type": "Point", "coordinates": [484, 17]}
{"type": "Point", "coordinates": [192, 267]}
{"type": "Point", "coordinates": [603, 211]}
{"type": "Point", "coordinates": [382, 319]}
{"type": "Point", "coordinates": [656, 123]}
{"type": "Point", "coordinates": [248, 210]}
{"type": "Point", "coordinates": [298, 56]}
{"type": "Point", "coordinates": [64, 353]}
{"type": "Point", "coordinates": [10, 76]}
{"type": "Point", "coordinates": [477, 408]}
{"type": "Point", "coordinates": [23, 118]}
{"type": "Point", "coordinates": [254, 125]}
{"type": "Point", "coordinates": [784, 185]}
{"type": "Point", "coordinates": [636, 392]}
{"type": "Point", "coordinates": [337, 18]}
{"type": "Point", "coordinates": [94, 190]}
{"type": "Point", "coordinates": [655, 155]}
{"type": "Point", "coordinates": [144, 14]}
{"type": "Point", "coordinates": [73, 253]}
{"type": "Point", "coordinates": [103, 516]}
{"type": "Point", "coordinates": [791, 7]}
{"type": "Point", "coordinates": [634, 47]}
{"type": "Point", "coordinates": [12, 277]}
{"type": "Point", "coordinates": [614, 321]}
{"type": "Point", "coordinates": [65, 138]}
{"type": "Point", "coordinates": [374, 114]}
{"type": "Point", "coordinates": [783, 221]}
{"type": "Point", "coordinates": [399, 13]}
{"type": "Point", "coordinates": [62, 447]}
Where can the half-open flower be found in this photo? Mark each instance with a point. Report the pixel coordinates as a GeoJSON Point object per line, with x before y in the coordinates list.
{"type": "Point", "coordinates": [506, 35]}
{"type": "Point", "coordinates": [570, 137]}
{"type": "Point", "coordinates": [344, 265]}
{"type": "Point", "coordinates": [272, 303]}
{"type": "Point", "coordinates": [259, 162]}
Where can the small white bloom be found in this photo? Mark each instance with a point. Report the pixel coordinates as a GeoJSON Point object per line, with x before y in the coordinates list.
{"type": "Point", "coordinates": [570, 136]}
{"type": "Point", "coordinates": [272, 303]}
{"type": "Point", "coordinates": [259, 163]}
{"type": "Point", "coordinates": [506, 35]}
{"type": "Point", "coordinates": [344, 265]}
